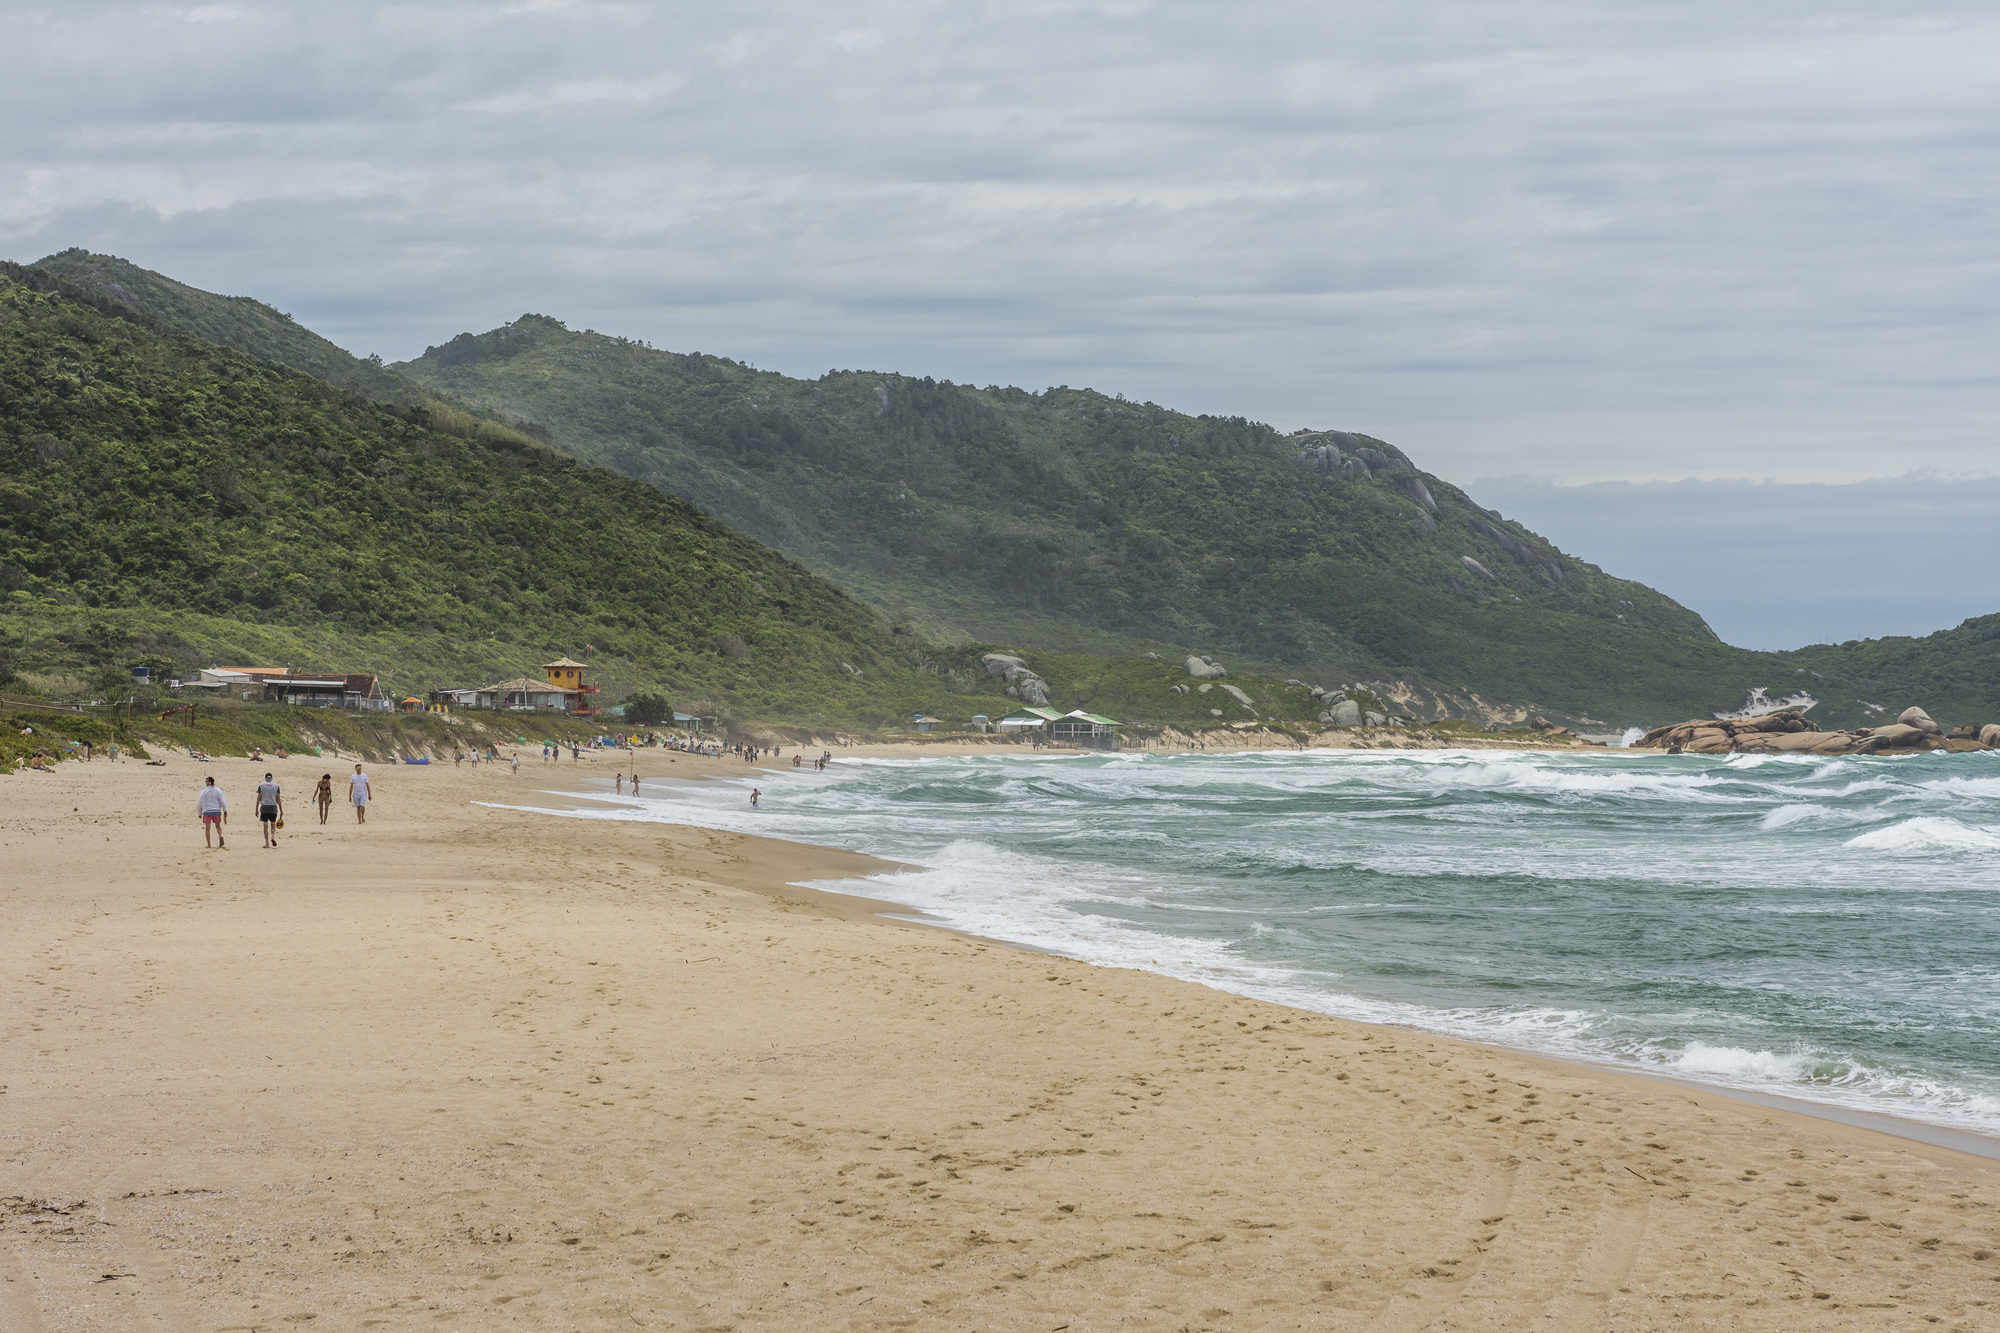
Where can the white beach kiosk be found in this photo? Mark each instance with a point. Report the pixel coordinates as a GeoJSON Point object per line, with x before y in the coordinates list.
{"type": "Point", "coordinates": [1026, 719]}
{"type": "Point", "coordinates": [1072, 728]}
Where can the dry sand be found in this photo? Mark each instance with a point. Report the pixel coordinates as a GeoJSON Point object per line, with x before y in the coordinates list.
{"type": "Point", "coordinates": [474, 1068]}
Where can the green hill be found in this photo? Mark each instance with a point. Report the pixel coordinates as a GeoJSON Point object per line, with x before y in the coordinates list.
{"type": "Point", "coordinates": [166, 496]}
{"type": "Point", "coordinates": [1075, 523]}
{"type": "Point", "coordinates": [1069, 519]}
{"type": "Point", "coordinates": [241, 322]}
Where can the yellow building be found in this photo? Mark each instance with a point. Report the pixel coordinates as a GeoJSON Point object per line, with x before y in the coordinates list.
{"type": "Point", "coordinates": [567, 675]}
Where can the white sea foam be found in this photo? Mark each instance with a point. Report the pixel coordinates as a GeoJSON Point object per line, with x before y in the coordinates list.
{"type": "Point", "coordinates": [1470, 894]}
{"type": "Point", "coordinates": [1927, 833]}
{"type": "Point", "coordinates": [1736, 1063]}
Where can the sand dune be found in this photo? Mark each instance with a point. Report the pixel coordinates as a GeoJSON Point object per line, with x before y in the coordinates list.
{"type": "Point", "coordinates": [477, 1068]}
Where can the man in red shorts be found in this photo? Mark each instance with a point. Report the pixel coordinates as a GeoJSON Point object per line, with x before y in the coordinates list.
{"type": "Point", "coordinates": [213, 807]}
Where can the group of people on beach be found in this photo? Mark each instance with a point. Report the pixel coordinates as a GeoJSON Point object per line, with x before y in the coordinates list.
{"type": "Point", "coordinates": [211, 806]}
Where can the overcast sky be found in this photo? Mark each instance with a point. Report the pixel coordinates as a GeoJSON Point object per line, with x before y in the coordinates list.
{"type": "Point", "coordinates": [1579, 241]}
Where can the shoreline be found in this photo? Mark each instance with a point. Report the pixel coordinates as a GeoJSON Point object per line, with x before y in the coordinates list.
{"type": "Point", "coordinates": [471, 1063]}
{"type": "Point", "coordinates": [1971, 1143]}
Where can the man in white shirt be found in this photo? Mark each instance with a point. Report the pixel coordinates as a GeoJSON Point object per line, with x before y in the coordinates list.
{"type": "Point", "coordinates": [357, 792]}
{"type": "Point", "coordinates": [213, 809]}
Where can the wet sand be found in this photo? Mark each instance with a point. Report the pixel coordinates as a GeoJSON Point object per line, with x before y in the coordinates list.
{"type": "Point", "coordinates": [481, 1068]}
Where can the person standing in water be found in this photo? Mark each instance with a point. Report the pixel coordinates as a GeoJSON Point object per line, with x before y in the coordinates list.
{"type": "Point", "coordinates": [754, 794]}
{"type": "Point", "coordinates": [270, 809]}
{"type": "Point", "coordinates": [323, 794]}
{"type": "Point", "coordinates": [213, 808]}
{"type": "Point", "coordinates": [357, 792]}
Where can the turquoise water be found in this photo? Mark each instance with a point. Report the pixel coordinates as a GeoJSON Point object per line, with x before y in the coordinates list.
{"type": "Point", "coordinates": [1820, 928]}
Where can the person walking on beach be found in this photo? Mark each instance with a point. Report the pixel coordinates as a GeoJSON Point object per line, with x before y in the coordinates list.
{"type": "Point", "coordinates": [514, 760]}
{"type": "Point", "coordinates": [213, 808]}
{"type": "Point", "coordinates": [357, 792]}
{"type": "Point", "coordinates": [323, 794]}
{"type": "Point", "coordinates": [270, 809]}
{"type": "Point", "coordinates": [635, 784]}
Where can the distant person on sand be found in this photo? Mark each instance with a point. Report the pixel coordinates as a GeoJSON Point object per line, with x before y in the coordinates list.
{"type": "Point", "coordinates": [270, 809]}
{"type": "Point", "coordinates": [515, 761]}
{"type": "Point", "coordinates": [323, 794]}
{"type": "Point", "coordinates": [213, 808]}
{"type": "Point", "coordinates": [357, 792]}
{"type": "Point", "coordinates": [754, 794]}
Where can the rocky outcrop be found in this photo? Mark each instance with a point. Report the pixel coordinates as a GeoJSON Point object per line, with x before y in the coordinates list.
{"type": "Point", "coordinates": [1788, 732]}
{"type": "Point", "coordinates": [1989, 735]}
{"type": "Point", "coordinates": [1557, 729]}
{"type": "Point", "coordinates": [1241, 697]}
{"type": "Point", "coordinates": [1344, 713]}
{"type": "Point", "coordinates": [1478, 568]}
{"type": "Point", "coordinates": [1022, 682]}
{"type": "Point", "coordinates": [1205, 668]}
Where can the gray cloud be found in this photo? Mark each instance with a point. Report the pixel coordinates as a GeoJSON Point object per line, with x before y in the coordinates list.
{"type": "Point", "coordinates": [1582, 240]}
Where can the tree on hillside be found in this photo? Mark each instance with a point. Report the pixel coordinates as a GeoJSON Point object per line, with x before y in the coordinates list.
{"type": "Point", "coordinates": [648, 709]}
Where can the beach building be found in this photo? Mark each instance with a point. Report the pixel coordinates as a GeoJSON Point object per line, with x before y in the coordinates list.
{"type": "Point", "coordinates": [567, 676]}
{"type": "Point", "coordinates": [1027, 719]}
{"type": "Point", "coordinates": [1081, 728]}
{"type": "Point", "coordinates": [524, 694]}
{"type": "Point", "coordinates": [236, 682]}
{"type": "Point", "coordinates": [922, 723]}
{"type": "Point", "coordinates": [360, 691]}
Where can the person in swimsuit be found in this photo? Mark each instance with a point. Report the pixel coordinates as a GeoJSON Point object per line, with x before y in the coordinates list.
{"type": "Point", "coordinates": [213, 808]}
{"type": "Point", "coordinates": [324, 795]}
{"type": "Point", "coordinates": [270, 809]}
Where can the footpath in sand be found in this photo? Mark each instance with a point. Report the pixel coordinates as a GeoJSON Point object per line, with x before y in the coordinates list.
{"type": "Point", "coordinates": [478, 1068]}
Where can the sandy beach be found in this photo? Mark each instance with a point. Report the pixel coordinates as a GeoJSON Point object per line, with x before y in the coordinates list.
{"type": "Point", "coordinates": [471, 1067]}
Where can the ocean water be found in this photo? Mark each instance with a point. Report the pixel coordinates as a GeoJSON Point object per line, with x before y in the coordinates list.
{"type": "Point", "coordinates": [1821, 928]}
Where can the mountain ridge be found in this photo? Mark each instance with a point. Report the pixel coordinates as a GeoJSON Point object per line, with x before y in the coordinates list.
{"type": "Point", "coordinates": [1077, 522]}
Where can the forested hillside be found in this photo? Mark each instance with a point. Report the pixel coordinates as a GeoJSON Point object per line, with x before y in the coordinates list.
{"type": "Point", "coordinates": [1070, 519]}
{"type": "Point", "coordinates": [241, 322]}
{"type": "Point", "coordinates": [1066, 520]}
{"type": "Point", "coordinates": [164, 496]}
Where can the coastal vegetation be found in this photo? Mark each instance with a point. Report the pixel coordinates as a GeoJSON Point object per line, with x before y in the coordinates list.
{"type": "Point", "coordinates": [166, 496]}
{"type": "Point", "coordinates": [1070, 524]}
